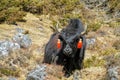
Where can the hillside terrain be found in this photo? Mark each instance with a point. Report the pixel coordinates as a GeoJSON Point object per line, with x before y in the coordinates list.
{"type": "Point", "coordinates": [103, 38]}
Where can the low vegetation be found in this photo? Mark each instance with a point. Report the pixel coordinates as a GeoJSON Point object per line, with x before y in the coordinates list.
{"type": "Point", "coordinates": [48, 13]}
{"type": "Point", "coordinates": [94, 62]}
{"type": "Point", "coordinates": [15, 10]}
{"type": "Point", "coordinates": [114, 5]}
{"type": "Point", "coordinates": [9, 72]}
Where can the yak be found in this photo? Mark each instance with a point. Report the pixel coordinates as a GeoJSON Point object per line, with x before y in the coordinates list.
{"type": "Point", "coordinates": [67, 47]}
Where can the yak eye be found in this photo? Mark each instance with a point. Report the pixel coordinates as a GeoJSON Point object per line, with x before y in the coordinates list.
{"type": "Point", "coordinates": [61, 38]}
{"type": "Point", "coordinates": [72, 42]}
{"type": "Point", "coordinates": [77, 39]}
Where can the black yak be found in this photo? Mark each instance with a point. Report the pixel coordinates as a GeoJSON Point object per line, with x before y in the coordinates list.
{"type": "Point", "coordinates": [67, 47]}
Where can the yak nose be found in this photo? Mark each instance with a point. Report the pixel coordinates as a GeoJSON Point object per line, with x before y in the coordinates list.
{"type": "Point", "coordinates": [67, 50]}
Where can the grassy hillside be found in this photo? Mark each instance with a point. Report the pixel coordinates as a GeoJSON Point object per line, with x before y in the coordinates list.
{"type": "Point", "coordinates": [37, 16]}
{"type": "Point", "coordinates": [15, 10]}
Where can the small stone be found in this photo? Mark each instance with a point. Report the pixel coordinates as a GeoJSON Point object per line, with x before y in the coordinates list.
{"type": "Point", "coordinates": [90, 41]}
{"type": "Point", "coordinates": [22, 39]}
{"type": "Point", "coordinates": [112, 73]}
{"type": "Point", "coordinates": [38, 73]}
{"type": "Point", "coordinates": [12, 78]}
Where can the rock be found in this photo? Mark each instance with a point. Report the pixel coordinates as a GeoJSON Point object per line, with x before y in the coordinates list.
{"type": "Point", "coordinates": [19, 40]}
{"type": "Point", "coordinates": [19, 30]}
{"type": "Point", "coordinates": [26, 42]}
{"type": "Point", "coordinates": [112, 73]}
{"type": "Point", "coordinates": [4, 53]}
{"type": "Point", "coordinates": [7, 46]}
{"type": "Point", "coordinates": [76, 75]}
{"type": "Point", "coordinates": [12, 78]}
{"type": "Point", "coordinates": [37, 74]}
{"type": "Point", "coordinates": [22, 39]}
{"type": "Point", "coordinates": [14, 46]}
{"type": "Point", "coordinates": [90, 41]}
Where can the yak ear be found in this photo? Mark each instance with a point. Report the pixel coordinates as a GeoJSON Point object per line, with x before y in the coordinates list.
{"type": "Point", "coordinates": [77, 39]}
{"type": "Point", "coordinates": [60, 37]}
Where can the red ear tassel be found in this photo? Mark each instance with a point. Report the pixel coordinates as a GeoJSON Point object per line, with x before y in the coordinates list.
{"type": "Point", "coordinates": [58, 43]}
{"type": "Point", "coordinates": [79, 44]}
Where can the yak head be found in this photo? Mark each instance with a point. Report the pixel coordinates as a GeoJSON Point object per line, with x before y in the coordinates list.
{"type": "Point", "coordinates": [71, 42]}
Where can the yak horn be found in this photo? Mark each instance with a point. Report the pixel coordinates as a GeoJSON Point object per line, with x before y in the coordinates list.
{"type": "Point", "coordinates": [85, 29]}
{"type": "Point", "coordinates": [55, 29]}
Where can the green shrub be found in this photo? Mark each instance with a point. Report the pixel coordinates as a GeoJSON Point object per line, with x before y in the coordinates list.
{"type": "Point", "coordinates": [59, 7]}
{"type": "Point", "coordinates": [93, 62]}
{"type": "Point", "coordinates": [11, 15]}
{"type": "Point", "coordinates": [114, 24]}
{"type": "Point", "coordinates": [10, 72]}
{"type": "Point", "coordinates": [11, 11]}
{"type": "Point", "coordinates": [107, 52]}
{"type": "Point", "coordinates": [114, 4]}
{"type": "Point", "coordinates": [33, 6]}
{"type": "Point", "coordinates": [66, 9]}
{"type": "Point", "coordinates": [94, 26]}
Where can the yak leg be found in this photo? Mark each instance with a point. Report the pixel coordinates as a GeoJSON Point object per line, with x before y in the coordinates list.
{"type": "Point", "coordinates": [68, 67]}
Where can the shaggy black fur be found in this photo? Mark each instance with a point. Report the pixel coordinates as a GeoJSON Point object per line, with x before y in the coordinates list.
{"type": "Point", "coordinates": [68, 55]}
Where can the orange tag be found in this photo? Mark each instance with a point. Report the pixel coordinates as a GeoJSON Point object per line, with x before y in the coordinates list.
{"type": "Point", "coordinates": [58, 43]}
{"type": "Point", "coordinates": [79, 44]}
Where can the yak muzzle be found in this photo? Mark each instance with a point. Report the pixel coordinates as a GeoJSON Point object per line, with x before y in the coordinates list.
{"type": "Point", "coordinates": [67, 50]}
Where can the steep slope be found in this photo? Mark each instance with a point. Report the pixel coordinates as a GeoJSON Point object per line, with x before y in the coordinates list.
{"type": "Point", "coordinates": [102, 55]}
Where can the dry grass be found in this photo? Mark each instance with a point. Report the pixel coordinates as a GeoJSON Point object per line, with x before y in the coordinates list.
{"type": "Point", "coordinates": [25, 60]}
{"type": "Point", "coordinates": [6, 31]}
